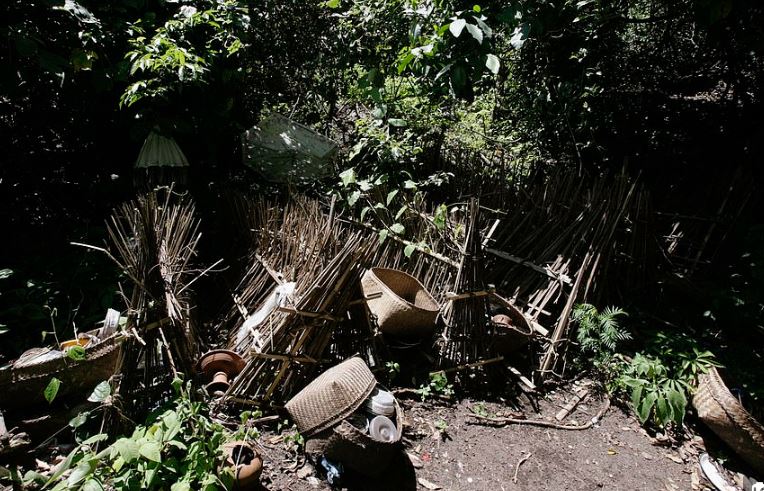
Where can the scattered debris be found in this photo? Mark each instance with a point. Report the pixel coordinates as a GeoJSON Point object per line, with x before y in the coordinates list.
{"type": "Point", "coordinates": [563, 413]}
{"type": "Point", "coordinates": [713, 475]}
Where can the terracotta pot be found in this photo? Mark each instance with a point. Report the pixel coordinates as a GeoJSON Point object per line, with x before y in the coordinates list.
{"type": "Point", "coordinates": [221, 360]}
{"type": "Point", "coordinates": [220, 366]}
{"type": "Point", "coordinates": [219, 383]}
{"type": "Point", "coordinates": [509, 335]}
{"type": "Point", "coordinates": [247, 464]}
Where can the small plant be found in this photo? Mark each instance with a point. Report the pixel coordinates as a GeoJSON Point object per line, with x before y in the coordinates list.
{"type": "Point", "coordinates": [438, 385]}
{"type": "Point", "coordinates": [655, 395]}
{"type": "Point", "coordinates": [178, 449]}
{"type": "Point", "coordinates": [393, 369]}
{"type": "Point", "coordinates": [599, 333]}
{"type": "Point", "coordinates": [480, 409]}
{"type": "Point", "coordinates": [660, 382]}
{"type": "Point", "coordinates": [293, 439]}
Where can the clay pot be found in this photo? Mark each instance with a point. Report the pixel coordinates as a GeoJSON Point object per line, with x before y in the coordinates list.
{"type": "Point", "coordinates": [247, 464]}
{"type": "Point", "coordinates": [509, 335]}
{"type": "Point", "coordinates": [220, 366]}
{"type": "Point", "coordinates": [83, 340]}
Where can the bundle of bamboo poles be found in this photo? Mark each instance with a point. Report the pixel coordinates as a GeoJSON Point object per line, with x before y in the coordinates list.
{"type": "Point", "coordinates": [296, 337]}
{"type": "Point", "coordinates": [554, 243]}
{"type": "Point", "coordinates": [153, 240]}
{"type": "Point", "coordinates": [466, 313]}
{"type": "Point", "coordinates": [300, 246]}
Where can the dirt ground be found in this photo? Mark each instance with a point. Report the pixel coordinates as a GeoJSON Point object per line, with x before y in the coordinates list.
{"type": "Point", "coordinates": [446, 448]}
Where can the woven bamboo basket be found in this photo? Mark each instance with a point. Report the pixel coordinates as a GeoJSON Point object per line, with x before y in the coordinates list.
{"type": "Point", "coordinates": [723, 413]}
{"type": "Point", "coordinates": [24, 386]}
{"type": "Point", "coordinates": [401, 304]}
{"type": "Point", "coordinates": [332, 396]}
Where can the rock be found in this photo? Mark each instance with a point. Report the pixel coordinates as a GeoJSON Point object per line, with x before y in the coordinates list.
{"type": "Point", "coordinates": [415, 461]}
{"type": "Point", "coordinates": [314, 482]}
{"type": "Point", "coordinates": [305, 471]}
{"type": "Point", "coordinates": [427, 484]}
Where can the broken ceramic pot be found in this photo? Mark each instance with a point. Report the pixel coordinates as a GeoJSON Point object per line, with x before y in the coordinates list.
{"type": "Point", "coordinates": [247, 464]}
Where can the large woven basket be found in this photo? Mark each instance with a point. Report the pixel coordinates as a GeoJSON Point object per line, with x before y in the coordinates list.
{"type": "Point", "coordinates": [356, 449]}
{"type": "Point", "coordinates": [401, 304]}
{"type": "Point", "coordinates": [332, 396]}
{"type": "Point", "coordinates": [24, 386]}
{"type": "Point", "coordinates": [723, 413]}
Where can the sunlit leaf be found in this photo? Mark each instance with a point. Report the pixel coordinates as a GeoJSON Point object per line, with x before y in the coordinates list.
{"type": "Point", "coordinates": [456, 27]}
{"type": "Point", "coordinates": [476, 32]}
{"type": "Point", "coordinates": [101, 392]}
{"type": "Point", "coordinates": [51, 390]}
{"type": "Point", "coordinates": [492, 63]}
{"type": "Point", "coordinates": [76, 353]}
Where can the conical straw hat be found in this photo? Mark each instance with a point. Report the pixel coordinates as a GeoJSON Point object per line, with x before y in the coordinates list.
{"type": "Point", "coordinates": [332, 396]}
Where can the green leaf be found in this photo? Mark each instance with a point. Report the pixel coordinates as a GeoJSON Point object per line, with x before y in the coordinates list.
{"type": "Point", "coordinates": [3, 329]}
{"type": "Point", "coordinates": [182, 485]}
{"type": "Point", "coordinates": [492, 63]}
{"type": "Point", "coordinates": [76, 353]}
{"type": "Point", "coordinates": [365, 210]}
{"type": "Point", "coordinates": [51, 390]}
{"type": "Point", "coordinates": [397, 228]}
{"type": "Point", "coordinates": [332, 4]}
{"type": "Point", "coordinates": [456, 27]}
{"type": "Point", "coordinates": [83, 470]}
{"type": "Point", "coordinates": [151, 450]}
{"type": "Point", "coordinates": [409, 250]}
{"type": "Point", "coordinates": [353, 198]}
{"type": "Point", "coordinates": [487, 31]}
{"type": "Point", "coordinates": [636, 393]}
{"type": "Point", "coordinates": [92, 485]}
{"type": "Point", "coordinates": [409, 184]}
{"type": "Point", "coordinates": [127, 449]}
{"type": "Point", "coordinates": [391, 196]}
{"type": "Point", "coordinates": [397, 122]}
{"type": "Point", "coordinates": [98, 437]}
{"type": "Point", "coordinates": [645, 408]}
{"type": "Point", "coordinates": [476, 32]}
{"type": "Point", "coordinates": [101, 392]}
{"type": "Point", "coordinates": [678, 402]}
{"type": "Point", "coordinates": [79, 420]}
{"type": "Point", "coordinates": [347, 176]}
{"type": "Point", "coordinates": [379, 112]}
{"type": "Point", "coordinates": [441, 212]}
{"type": "Point", "coordinates": [5, 273]}
{"type": "Point", "coordinates": [383, 235]}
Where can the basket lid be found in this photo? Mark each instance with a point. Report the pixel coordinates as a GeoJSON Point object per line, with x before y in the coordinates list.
{"type": "Point", "coordinates": [332, 396]}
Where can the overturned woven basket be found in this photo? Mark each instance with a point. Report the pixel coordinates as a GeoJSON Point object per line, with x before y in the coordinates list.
{"type": "Point", "coordinates": [332, 396]}
{"type": "Point", "coordinates": [723, 413]}
{"type": "Point", "coordinates": [401, 304]}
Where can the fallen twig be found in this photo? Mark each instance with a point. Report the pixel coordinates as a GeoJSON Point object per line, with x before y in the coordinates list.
{"type": "Point", "coordinates": [519, 463]}
{"type": "Point", "coordinates": [547, 424]}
